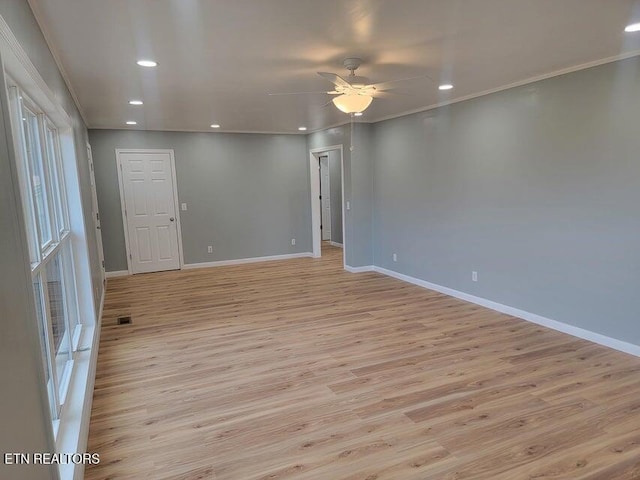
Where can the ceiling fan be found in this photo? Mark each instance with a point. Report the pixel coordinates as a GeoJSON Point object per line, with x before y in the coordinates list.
{"type": "Point", "coordinates": [354, 93]}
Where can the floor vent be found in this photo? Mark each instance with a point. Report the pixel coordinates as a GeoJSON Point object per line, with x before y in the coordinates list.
{"type": "Point", "coordinates": [125, 320]}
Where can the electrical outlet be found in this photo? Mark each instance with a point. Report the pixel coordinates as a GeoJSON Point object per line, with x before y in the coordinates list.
{"type": "Point", "coordinates": [210, 249]}
{"type": "Point", "coordinates": [395, 257]}
{"type": "Point", "coordinates": [293, 241]}
{"type": "Point", "coordinates": [474, 276]}
{"type": "Point", "coordinates": [348, 205]}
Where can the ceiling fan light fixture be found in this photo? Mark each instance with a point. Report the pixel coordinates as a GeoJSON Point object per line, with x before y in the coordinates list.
{"type": "Point", "coordinates": [352, 103]}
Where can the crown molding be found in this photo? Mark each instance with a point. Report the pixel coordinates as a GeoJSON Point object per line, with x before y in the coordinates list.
{"type": "Point", "coordinates": [37, 13]}
{"type": "Point", "coordinates": [520, 83]}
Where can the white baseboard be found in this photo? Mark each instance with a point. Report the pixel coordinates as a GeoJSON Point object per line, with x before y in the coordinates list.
{"type": "Point", "coordinates": [117, 273]}
{"type": "Point", "coordinates": [524, 315]}
{"type": "Point", "coordinates": [240, 261]}
{"type": "Point", "coordinates": [335, 244]}
{"type": "Point", "coordinates": [366, 268]}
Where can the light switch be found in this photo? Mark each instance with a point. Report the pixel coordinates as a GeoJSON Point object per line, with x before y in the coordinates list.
{"type": "Point", "coordinates": [183, 207]}
{"type": "Point", "coordinates": [348, 205]}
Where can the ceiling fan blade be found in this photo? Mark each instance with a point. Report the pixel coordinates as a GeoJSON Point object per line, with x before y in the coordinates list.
{"type": "Point", "coordinates": [303, 93]}
{"type": "Point", "coordinates": [386, 85]}
{"type": "Point", "coordinates": [335, 79]}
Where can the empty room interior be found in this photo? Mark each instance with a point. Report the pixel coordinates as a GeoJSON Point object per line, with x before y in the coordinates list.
{"type": "Point", "coordinates": [320, 239]}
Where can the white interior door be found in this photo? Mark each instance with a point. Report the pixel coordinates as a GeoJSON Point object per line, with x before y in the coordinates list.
{"type": "Point", "coordinates": [95, 212]}
{"type": "Point", "coordinates": [325, 194]}
{"type": "Point", "coordinates": [148, 188]}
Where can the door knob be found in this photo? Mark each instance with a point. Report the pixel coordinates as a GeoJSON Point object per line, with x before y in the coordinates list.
{"type": "Point", "coordinates": [171, 219]}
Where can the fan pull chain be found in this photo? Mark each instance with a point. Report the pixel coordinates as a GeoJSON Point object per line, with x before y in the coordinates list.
{"type": "Point", "coordinates": [351, 140]}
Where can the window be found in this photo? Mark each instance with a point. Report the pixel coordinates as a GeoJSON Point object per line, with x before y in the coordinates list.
{"type": "Point", "coordinates": [47, 219]}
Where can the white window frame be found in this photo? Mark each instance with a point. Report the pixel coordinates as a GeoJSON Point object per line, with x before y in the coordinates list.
{"type": "Point", "coordinates": [59, 245]}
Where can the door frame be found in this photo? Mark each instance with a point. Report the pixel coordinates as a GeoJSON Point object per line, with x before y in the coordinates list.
{"type": "Point", "coordinates": [174, 178]}
{"type": "Point", "coordinates": [96, 213]}
{"type": "Point", "coordinates": [314, 182]}
{"type": "Point", "coordinates": [328, 188]}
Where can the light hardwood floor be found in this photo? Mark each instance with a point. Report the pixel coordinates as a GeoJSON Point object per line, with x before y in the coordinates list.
{"type": "Point", "coordinates": [299, 370]}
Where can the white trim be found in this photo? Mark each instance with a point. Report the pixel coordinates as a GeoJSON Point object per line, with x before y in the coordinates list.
{"type": "Point", "coordinates": [522, 314]}
{"type": "Point", "coordinates": [324, 230]}
{"type": "Point", "coordinates": [241, 261]}
{"type": "Point", "coordinates": [35, 8]}
{"type": "Point", "coordinates": [174, 179]}
{"type": "Point", "coordinates": [335, 244]}
{"type": "Point", "coordinates": [96, 214]}
{"type": "Point", "coordinates": [123, 214]}
{"type": "Point", "coordinates": [117, 273]}
{"type": "Point", "coordinates": [314, 182]}
{"type": "Point", "coordinates": [139, 128]}
{"type": "Point", "coordinates": [519, 83]}
{"type": "Point", "coordinates": [366, 268]}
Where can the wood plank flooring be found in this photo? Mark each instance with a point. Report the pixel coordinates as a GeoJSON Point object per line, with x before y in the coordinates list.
{"type": "Point", "coordinates": [299, 370]}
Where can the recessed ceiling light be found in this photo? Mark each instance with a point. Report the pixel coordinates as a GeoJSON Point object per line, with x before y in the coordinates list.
{"type": "Point", "coordinates": [634, 27]}
{"type": "Point", "coordinates": [147, 63]}
{"type": "Point", "coordinates": [358, 114]}
{"type": "Point", "coordinates": [302, 129]}
{"type": "Point", "coordinates": [131, 122]}
{"type": "Point", "coordinates": [135, 102]}
{"type": "Point", "coordinates": [215, 125]}
{"type": "Point", "coordinates": [446, 86]}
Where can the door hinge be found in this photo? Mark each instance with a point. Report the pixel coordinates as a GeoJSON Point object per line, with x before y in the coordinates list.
{"type": "Point", "coordinates": [130, 257]}
{"type": "Point", "coordinates": [103, 264]}
{"type": "Point", "coordinates": [125, 212]}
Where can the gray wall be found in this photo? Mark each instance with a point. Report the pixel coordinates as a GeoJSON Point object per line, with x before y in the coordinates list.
{"type": "Point", "coordinates": [536, 188]}
{"type": "Point", "coordinates": [335, 184]}
{"type": "Point", "coordinates": [247, 194]}
{"type": "Point", "coordinates": [358, 187]}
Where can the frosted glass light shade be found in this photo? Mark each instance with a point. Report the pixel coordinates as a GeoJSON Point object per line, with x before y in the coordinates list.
{"type": "Point", "coordinates": [352, 103]}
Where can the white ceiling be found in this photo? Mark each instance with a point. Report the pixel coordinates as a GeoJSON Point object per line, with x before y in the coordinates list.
{"type": "Point", "coordinates": [218, 60]}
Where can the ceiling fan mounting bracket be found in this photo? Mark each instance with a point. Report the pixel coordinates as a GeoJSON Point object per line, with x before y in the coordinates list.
{"type": "Point", "coordinates": [352, 63]}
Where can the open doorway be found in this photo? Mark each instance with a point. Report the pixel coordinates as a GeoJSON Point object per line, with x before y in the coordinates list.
{"type": "Point", "coordinates": [327, 201]}
{"type": "Point", "coordinates": [331, 199]}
